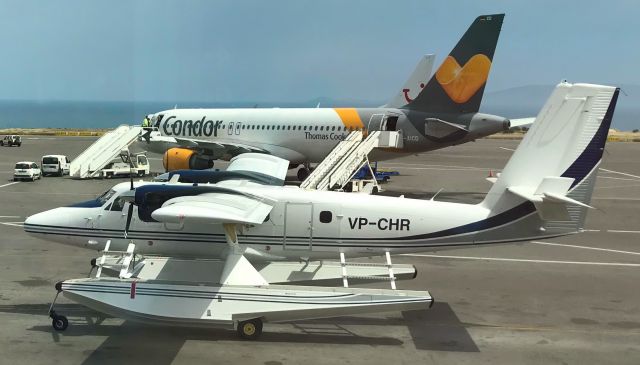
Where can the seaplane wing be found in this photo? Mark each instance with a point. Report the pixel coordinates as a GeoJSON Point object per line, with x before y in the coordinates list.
{"type": "Point", "coordinates": [210, 145]}
{"type": "Point", "coordinates": [219, 207]}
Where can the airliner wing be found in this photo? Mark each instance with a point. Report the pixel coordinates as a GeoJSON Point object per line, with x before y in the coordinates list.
{"type": "Point", "coordinates": [196, 143]}
{"type": "Point", "coordinates": [214, 208]}
{"type": "Point", "coordinates": [261, 163]}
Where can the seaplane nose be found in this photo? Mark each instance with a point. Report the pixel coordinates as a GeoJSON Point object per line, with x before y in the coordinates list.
{"type": "Point", "coordinates": [44, 222]}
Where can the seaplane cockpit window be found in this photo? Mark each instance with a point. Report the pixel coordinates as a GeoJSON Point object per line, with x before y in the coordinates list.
{"type": "Point", "coordinates": [105, 196]}
{"type": "Point", "coordinates": [117, 205]}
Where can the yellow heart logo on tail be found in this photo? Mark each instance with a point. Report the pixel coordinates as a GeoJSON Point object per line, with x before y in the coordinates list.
{"type": "Point", "coordinates": [462, 82]}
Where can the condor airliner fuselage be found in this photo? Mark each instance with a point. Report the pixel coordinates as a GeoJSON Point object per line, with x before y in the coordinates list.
{"type": "Point", "coordinates": [308, 135]}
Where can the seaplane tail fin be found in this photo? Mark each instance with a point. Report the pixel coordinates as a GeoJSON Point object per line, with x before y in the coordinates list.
{"type": "Point", "coordinates": [553, 170]}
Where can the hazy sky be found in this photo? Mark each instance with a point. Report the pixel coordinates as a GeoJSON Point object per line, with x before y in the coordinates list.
{"type": "Point", "coordinates": [222, 51]}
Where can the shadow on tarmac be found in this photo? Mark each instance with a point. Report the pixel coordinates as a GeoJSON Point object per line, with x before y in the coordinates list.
{"type": "Point", "coordinates": [437, 329]}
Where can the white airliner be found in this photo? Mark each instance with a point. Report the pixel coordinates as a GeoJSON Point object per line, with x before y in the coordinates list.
{"type": "Point", "coordinates": [429, 115]}
{"type": "Point", "coordinates": [246, 217]}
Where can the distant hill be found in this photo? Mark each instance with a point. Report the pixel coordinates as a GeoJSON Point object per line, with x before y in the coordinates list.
{"type": "Point", "coordinates": [526, 101]}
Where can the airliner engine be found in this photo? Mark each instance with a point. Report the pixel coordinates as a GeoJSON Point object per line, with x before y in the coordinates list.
{"type": "Point", "coordinates": [184, 158]}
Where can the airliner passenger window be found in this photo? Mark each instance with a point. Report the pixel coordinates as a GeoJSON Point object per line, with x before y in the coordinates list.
{"type": "Point", "coordinates": [325, 216]}
{"type": "Point", "coordinates": [316, 127]}
{"type": "Point", "coordinates": [333, 128]}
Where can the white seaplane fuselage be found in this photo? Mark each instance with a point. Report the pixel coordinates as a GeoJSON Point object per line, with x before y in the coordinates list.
{"type": "Point", "coordinates": [310, 224]}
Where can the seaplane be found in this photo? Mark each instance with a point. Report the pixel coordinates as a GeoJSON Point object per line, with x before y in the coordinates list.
{"type": "Point", "coordinates": [233, 248]}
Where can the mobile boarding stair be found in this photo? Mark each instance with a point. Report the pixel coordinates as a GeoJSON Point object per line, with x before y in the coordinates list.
{"type": "Point", "coordinates": [89, 163]}
{"type": "Point", "coordinates": [349, 156]}
{"type": "Point", "coordinates": [231, 293]}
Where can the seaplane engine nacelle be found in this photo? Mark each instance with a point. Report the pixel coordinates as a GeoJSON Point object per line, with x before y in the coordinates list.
{"type": "Point", "coordinates": [184, 158]}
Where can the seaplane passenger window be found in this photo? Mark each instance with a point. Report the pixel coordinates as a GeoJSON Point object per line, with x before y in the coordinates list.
{"type": "Point", "coordinates": [326, 216]}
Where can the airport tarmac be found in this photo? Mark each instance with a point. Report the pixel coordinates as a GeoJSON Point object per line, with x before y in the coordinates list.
{"type": "Point", "coordinates": [567, 300]}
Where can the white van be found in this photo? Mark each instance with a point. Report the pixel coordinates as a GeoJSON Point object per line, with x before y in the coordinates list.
{"type": "Point", "coordinates": [55, 165]}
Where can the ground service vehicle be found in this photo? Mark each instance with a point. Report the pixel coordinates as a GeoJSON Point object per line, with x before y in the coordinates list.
{"type": "Point", "coordinates": [121, 168]}
{"type": "Point", "coordinates": [55, 165]}
{"type": "Point", "coordinates": [11, 140]}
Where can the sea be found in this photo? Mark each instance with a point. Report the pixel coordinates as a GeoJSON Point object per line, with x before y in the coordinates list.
{"type": "Point", "coordinates": [101, 114]}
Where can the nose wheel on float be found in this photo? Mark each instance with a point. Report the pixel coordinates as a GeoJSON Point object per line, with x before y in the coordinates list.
{"type": "Point", "coordinates": [58, 321]}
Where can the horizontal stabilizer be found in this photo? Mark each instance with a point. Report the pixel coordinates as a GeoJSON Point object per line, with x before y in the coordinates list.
{"type": "Point", "coordinates": [439, 128]}
{"type": "Point", "coordinates": [550, 197]}
{"type": "Point", "coordinates": [521, 122]}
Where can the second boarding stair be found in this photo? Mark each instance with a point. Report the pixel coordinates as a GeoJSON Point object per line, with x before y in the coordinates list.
{"type": "Point", "coordinates": [347, 158]}
{"type": "Point", "coordinates": [89, 163]}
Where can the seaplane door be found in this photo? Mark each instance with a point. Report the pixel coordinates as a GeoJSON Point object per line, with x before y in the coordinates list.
{"type": "Point", "coordinates": [298, 226]}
